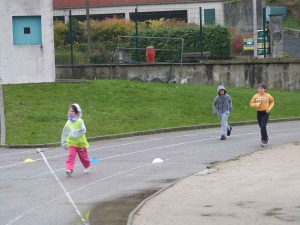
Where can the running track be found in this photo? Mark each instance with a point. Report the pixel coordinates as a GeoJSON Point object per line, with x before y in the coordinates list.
{"type": "Point", "coordinates": [39, 192]}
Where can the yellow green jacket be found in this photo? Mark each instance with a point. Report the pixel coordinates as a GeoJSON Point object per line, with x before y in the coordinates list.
{"type": "Point", "coordinates": [73, 134]}
{"type": "Point", "coordinates": [262, 102]}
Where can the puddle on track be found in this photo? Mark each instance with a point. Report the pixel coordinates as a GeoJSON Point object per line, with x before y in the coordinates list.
{"type": "Point", "coordinates": [116, 212]}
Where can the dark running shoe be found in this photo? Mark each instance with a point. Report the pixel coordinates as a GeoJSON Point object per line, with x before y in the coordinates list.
{"type": "Point", "coordinates": [223, 137]}
{"type": "Point", "coordinates": [267, 141]}
{"type": "Point", "coordinates": [229, 131]}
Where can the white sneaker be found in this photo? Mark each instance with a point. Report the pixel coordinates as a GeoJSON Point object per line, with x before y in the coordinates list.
{"type": "Point", "coordinates": [69, 172]}
{"type": "Point", "coordinates": [267, 141]}
{"type": "Point", "coordinates": [86, 170]}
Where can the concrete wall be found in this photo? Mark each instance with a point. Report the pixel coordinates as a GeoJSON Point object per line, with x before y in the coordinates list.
{"type": "Point", "coordinates": [291, 32]}
{"type": "Point", "coordinates": [240, 15]}
{"type": "Point", "coordinates": [191, 7]}
{"type": "Point", "coordinates": [276, 36]}
{"type": "Point", "coordinates": [276, 73]}
{"type": "Point", "coordinates": [26, 63]}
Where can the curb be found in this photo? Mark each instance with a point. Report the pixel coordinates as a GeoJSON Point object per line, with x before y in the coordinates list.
{"type": "Point", "coordinates": [137, 209]}
{"type": "Point", "coordinates": [148, 132]}
{"type": "Point", "coordinates": [132, 214]}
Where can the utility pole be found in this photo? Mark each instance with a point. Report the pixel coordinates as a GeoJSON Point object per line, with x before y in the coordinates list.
{"type": "Point", "coordinates": [88, 26]}
{"type": "Point", "coordinates": [255, 28]}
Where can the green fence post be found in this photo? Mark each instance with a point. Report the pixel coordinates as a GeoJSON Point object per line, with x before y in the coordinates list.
{"type": "Point", "coordinates": [71, 38]}
{"type": "Point", "coordinates": [136, 34]}
{"type": "Point", "coordinates": [264, 29]}
{"type": "Point", "coordinates": [201, 33]}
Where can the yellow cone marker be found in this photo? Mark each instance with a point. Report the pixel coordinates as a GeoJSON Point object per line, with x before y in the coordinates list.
{"type": "Point", "coordinates": [28, 160]}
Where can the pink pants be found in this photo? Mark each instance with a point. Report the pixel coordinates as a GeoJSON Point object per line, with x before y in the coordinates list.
{"type": "Point", "coordinates": [83, 156]}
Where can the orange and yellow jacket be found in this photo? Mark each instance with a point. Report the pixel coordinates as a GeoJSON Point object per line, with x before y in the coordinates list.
{"type": "Point", "coordinates": [262, 102]}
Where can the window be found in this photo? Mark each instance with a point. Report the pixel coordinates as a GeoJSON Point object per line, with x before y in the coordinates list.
{"type": "Point", "coordinates": [27, 30]}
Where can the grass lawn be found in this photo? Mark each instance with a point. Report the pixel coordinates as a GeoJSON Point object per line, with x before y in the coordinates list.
{"type": "Point", "coordinates": [36, 113]}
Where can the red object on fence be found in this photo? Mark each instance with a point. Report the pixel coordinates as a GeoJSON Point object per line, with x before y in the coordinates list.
{"type": "Point", "coordinates": [150, 54]}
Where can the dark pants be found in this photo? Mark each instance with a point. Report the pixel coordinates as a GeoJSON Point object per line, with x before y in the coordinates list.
{"type": "Point", "coordinates": [262, 118]}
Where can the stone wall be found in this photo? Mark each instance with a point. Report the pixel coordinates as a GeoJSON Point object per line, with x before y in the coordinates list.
{"type": "Point", "coordinates": [276, 73]}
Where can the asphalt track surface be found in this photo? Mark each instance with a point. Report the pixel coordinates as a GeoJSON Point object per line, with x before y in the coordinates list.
{"type": "Point", "coordinates": [39, 192]}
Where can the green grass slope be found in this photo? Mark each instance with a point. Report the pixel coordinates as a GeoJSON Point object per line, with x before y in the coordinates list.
{"type": "Point", "coordinates": [36, 113]}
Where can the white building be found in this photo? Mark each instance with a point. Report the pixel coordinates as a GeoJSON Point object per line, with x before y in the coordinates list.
{"type": "Point", "coordinates": [26, 41]}
{"type": "Point", "coordinates": [212, 10]}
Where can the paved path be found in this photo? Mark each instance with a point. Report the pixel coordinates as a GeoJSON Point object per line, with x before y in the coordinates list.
{"type": "Point", "coordinates": [260, 188]}
{"type": "Point", "coordinates": [39, 192]}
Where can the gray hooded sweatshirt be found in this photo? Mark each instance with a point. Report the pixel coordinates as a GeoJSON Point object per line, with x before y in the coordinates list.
{"type": "Point", "coordinates": [224, 103]}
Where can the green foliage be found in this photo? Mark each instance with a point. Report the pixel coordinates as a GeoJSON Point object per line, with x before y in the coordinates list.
{"type": "Point", "coordinates": [293, 23]}
{"type": "Point", "coordinates": [293, 12]}
{"type": "Point", "coordinates": [167, 44]}
{"type": "Point", "coordinates": [86, 216]}
{"type": "Point", "coordinates": [120, 106]}
{"type": "Point", "coordinates": [63, 56]}
{"type": "Point", "coordinates": [286, 55]}
{"type": "Point", "coordinates": [163, 23]}
{"type": "Point", "coordinates": [100, 55]}
{"type": "Point", "coordinates": [238, 42]}
{"type": "Point", "coordinates": [108, 30]}
{"type": "Point", "coordinates": [216, 39]}
{"type": "Point", "coordinates": [75, 34]}
{"type": "Point", "coordinates": [103, 35]}
{"type": "Point", "coordinates": [271, 1]}
{"type": "Point", "coordinates": [60, 31]}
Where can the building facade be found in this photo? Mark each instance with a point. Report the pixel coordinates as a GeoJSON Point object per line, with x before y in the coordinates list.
{"type": "Point", "coordinates": [187, 10]}
{"type": "Point", "coordinates": [27, 43]}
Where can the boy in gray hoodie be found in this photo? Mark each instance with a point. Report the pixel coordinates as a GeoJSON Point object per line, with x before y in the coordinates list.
{"type": "Point", "coordinates": [224, 104]}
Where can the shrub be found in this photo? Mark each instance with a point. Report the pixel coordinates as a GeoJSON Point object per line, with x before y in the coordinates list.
{"type": "Point", "coordinates": [100, 55]}
{"type": "Point", "coordinates": [216, 39]}
{"type": "Point", "coordinates": [63, 56]}
{"type": "Point", "coordinates": [60, 30]}
{"type": "Point", "coordinates": [76, 34]}
{"type": "Point", "coordinates": [108, 29]}
{"type": "Point", "coordinates": [237, 44]}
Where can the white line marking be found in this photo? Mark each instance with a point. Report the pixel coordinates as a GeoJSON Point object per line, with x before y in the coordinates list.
{"type": "Point", "coordinates": [15, 153]}
{"type": "Point", "coordinates": [155, 139]}
{"type": "Point", "coordinates": [62, 187]}
{"type": "Point", "coordinates": [58, 197]}
{"type": "Point", "coordinates": [137, 142]}
{"type": "Point", "coordinates": [130, 153]}
{"type": "Point", "coordinates": [112, 176]}
{"type": "Point", "coordinates": [195, 152]}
